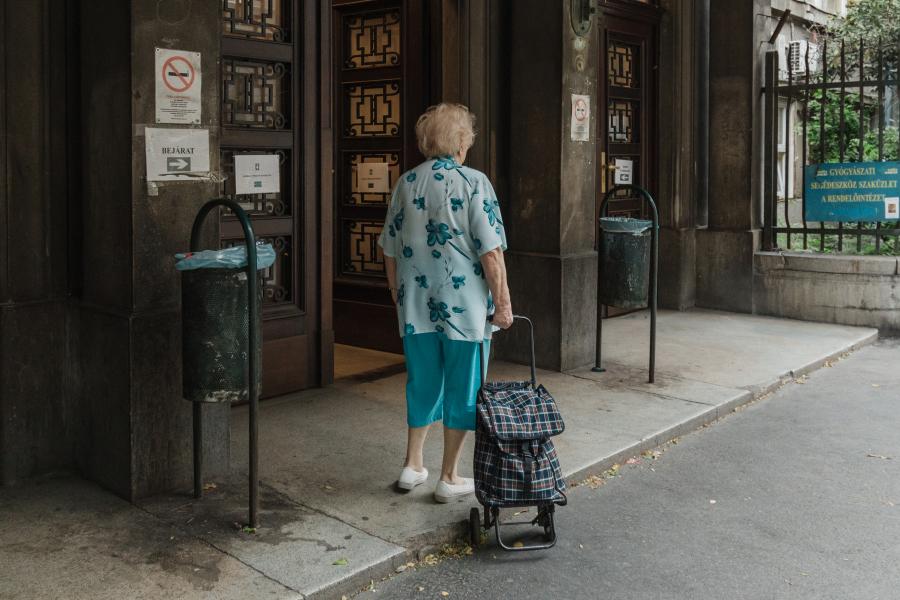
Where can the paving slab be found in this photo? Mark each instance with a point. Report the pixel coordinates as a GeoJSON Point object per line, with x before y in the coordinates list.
{"type": "Point", "coordinates": [728, 349]}
{"type": "Point", "coordinates": [293, 545]}
{"type": "Point", "coordinates": [66, 538]}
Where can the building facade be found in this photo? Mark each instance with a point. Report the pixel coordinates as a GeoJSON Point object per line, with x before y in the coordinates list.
{"type": "Point", "coordinates": [90, 304]}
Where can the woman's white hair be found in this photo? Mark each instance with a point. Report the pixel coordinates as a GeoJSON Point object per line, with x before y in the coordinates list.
{"type": "Point", "coordinates": [445, 129]}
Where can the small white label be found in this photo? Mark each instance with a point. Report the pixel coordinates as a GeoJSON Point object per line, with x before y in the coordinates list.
{"type": "Point", "coordinates": [892, 208]}
{"type": "Point", "coordinates": [256, 174]}
{"type": "Point", "coordinates": [624, 171]}
{"type": "Point", "coordinates": [372, 178]}
{"type": "Point", "coordinates": [581, 118]}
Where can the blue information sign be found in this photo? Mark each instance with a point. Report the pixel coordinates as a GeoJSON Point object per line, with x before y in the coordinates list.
{"type": "Point", "coordinates": [863, 191]}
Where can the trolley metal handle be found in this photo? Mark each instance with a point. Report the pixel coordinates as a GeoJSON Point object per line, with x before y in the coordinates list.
{"type": "Point", "coordinates": [481, 369]}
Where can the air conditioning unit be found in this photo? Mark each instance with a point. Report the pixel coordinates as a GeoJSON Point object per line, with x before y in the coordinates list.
{"type": "Point", "coordinates": [796, 57]}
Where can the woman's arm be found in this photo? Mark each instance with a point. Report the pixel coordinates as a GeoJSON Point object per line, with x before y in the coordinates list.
{"type": "Point", "coordinates": [495, 273]}
{"type": "Point", "coordinates": [390, 267]}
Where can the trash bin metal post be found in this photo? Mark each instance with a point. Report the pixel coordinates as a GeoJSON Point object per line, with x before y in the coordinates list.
{"type": "Point", "coordinates": [253, 384]}
{"type": "Point", "coordinates": [654, 272]}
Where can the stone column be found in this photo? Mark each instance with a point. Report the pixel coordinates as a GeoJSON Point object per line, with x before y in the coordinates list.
{"type": "Point", "coordinates": [549, 211]}
{"type": "Point", "coordinates": [682, 123]}
{"type": "Point", "coordinates": [139, 428]}
{"type": "Point", "coordinates": [725, 249]}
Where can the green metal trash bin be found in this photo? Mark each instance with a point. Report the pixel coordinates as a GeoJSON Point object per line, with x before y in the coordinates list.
{"type": "Point", "coordinates": [214, 335]}
{"type": "Point", "coordinates": [625, 256]}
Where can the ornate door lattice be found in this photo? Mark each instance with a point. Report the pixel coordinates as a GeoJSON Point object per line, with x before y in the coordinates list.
{"type": "Point", "coordinates": [370, 92]}
{"type": "Point", "coordinates": [627, 97]}
{"type": "Point", "coordinates": [261, 113]}
{"type": "Point", "coordinates": [378, 93]}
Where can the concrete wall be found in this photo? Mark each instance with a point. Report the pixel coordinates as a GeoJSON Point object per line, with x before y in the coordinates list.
{"type": "Point", "coordinates": [39, 415]}
{"type": "Point", "coordinates": [139, 438]}
{"type": "Point", "coordinates": [549, 213]}
{"type": "Point", "coordinates": [850, 290]}
{"type": "Point", "coordinates": [683, 114]}
{"type": "Point", "coordinates": [725, 248]}
{"type": "Point", "coordinates": [90, 333]}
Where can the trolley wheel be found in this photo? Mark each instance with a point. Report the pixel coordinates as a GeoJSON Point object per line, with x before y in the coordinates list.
{"type": "Point", "coordinates": [546, 520]}
{"type": "Point", "coordinates": [474, 527]}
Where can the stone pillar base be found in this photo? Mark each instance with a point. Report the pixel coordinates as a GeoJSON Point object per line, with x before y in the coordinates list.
{"type": "Point", "coordinates": [725, 269]}
{"type": "Point", "coordinates": [559, 294]}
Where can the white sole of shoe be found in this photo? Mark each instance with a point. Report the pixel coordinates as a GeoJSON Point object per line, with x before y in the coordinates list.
{"type": "Point", "coordinates": [408, 485]}
{"type": "Point", "coordinates": [448, 499]}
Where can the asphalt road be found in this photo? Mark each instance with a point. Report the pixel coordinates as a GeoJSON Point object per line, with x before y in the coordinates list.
{"type": "Point", "coordinates": [795, 496]}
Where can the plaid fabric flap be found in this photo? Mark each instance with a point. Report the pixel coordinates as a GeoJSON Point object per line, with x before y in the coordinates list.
{"type": "Point", "coordinates": [514, 411]}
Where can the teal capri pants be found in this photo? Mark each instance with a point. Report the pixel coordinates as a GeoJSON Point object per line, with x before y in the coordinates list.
{"type": "Point", "coordinates": [442, 380]}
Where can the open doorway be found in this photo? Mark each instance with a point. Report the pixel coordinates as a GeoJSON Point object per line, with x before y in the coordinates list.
{"type": "Point", "coordinates": [380, 83]}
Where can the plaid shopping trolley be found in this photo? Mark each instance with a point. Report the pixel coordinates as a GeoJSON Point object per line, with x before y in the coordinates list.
{"type": "Point", "coordinates": [516, 464]}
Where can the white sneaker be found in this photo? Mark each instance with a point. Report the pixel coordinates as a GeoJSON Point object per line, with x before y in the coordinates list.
{"type": "Point", "coordinates": [410, 478]}
{"type": "Point", "coordinates": [448, 492]}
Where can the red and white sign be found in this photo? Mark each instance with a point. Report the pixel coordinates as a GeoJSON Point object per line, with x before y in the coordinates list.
{"type": "Point", "coordinates": [581, 118]}
{"type": "Point", "coordinates": [178, 83]}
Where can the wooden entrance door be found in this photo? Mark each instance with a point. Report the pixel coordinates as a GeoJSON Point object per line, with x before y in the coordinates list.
{"type": "Point", "coordinates": [380, 86]}
{"type": "Point", "coordinates": [269, 95]}
{"type": "Point", "coordinates": [628, 97]}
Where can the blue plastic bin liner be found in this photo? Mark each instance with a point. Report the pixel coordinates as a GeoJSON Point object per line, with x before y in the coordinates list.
{"type": "Point", "coordinates": [226, 258]}
{"type": "Point", "coordinates": [624, 225]}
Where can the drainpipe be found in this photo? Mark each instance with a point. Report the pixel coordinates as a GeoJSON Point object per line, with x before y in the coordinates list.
{"type": "Point", "coordinates": [701, 45]}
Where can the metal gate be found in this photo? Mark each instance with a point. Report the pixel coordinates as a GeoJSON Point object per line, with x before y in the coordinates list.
{"type": "Point", "coordinates": [838, 101]}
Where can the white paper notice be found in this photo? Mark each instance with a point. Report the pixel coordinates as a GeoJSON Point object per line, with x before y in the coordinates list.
{"type": "Point", "coordinates": [372, 177]}
{"type": "Point", "coordinates": [178, 83]}
{"type": "Point", "coordinates": [624, 172]}
{"type": "Point", "coordinates": [892, 208]}
{"type": "Point", "coordinates": [581, 118]}
{"type": "Point", "coordinates": [256, 174]}
{"type": "Point", "coordinates": [177, 154]}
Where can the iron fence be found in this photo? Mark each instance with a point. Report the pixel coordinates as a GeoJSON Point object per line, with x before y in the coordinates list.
{"type": "Point", "coordinates": [839, 101]}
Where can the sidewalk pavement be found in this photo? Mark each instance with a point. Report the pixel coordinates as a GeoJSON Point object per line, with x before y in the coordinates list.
{"type": "Point", "coordinates": [331, 519]}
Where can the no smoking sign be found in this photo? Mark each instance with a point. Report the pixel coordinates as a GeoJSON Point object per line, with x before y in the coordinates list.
{"type": "Point", "coordinates": [178, 83]}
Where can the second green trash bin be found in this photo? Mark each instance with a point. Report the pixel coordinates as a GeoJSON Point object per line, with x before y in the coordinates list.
{"type": "Point", "coordinates": [625, 254]}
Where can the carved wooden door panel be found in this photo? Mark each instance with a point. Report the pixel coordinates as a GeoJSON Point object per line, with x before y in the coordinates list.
{"type": "Point", "coordinates": [379, 91]}
{"type": "Point", "coordinates": [266, 108]}
{"type": "Point", "coordinates": [627, 130]}
{"type": "Point", "coordinates": [627, 105]}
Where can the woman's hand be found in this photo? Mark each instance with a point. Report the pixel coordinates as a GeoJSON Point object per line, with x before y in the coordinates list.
{"type": "Point", "coordinates": [503, 316]}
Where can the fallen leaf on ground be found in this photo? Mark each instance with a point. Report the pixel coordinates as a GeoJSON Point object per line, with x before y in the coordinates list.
{"type": "Point", "coordinates": [445, 594]}
{"type": "Point", "coordinates": [633, 461]}
{"type": "Point", "coordinates": [518, 545]}
{"type": "Point", "coordinates": [341, 562]}
{"type": "Point", "coordinates": [248, 529]}
{"type": "Point", "coordinates": [327, 488]}
{"type": "Point", "coordinates": [209, 486]}
{"type": "Point", "coordinates": [654, 454]}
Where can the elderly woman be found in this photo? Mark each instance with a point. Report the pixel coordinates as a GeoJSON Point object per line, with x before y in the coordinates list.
{"type": "Point", "coordinates": [443, 243]}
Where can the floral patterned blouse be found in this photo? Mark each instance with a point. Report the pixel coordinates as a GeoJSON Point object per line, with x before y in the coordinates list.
{"type": "Point", "coordinates": [441, 219]}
